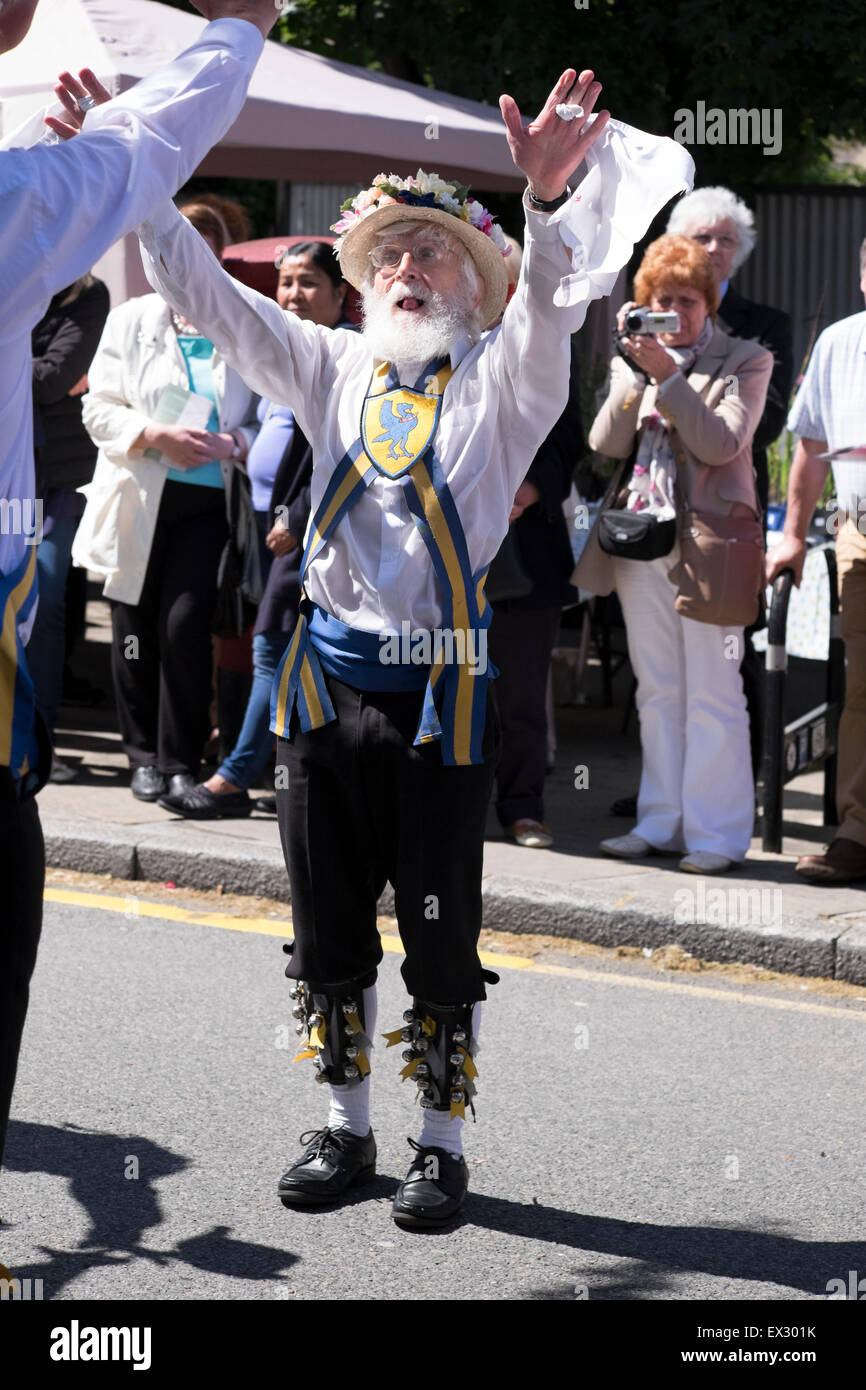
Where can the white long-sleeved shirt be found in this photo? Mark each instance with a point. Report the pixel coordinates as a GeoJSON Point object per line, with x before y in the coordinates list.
{"type": "Point", "coordinates": [506, 393]}
{"type": "Point", "coordinates": [62, 206]}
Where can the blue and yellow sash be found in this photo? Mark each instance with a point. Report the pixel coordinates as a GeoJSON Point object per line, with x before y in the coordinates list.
{"type": "Point", "coordinates": [18, 746]}
{"type": "Point", "coordinates": [398, 425]}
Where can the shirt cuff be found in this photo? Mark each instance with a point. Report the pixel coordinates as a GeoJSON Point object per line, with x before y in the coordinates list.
{"type": "Point", "coordinates": [237, 34]}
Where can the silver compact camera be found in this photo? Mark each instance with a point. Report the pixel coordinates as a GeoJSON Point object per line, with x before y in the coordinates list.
{"type": "Point", "coordinates": [643, 320]}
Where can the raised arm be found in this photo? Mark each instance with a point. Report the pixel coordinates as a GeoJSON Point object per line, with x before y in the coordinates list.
{"type": "Point", "coordinates": [64, 205]}
{"type": "Point", "coordinates": [287, 359]}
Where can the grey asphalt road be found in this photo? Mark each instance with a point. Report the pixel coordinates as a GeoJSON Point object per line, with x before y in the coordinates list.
{"type": "Point", "coordinates": [638, 1137]}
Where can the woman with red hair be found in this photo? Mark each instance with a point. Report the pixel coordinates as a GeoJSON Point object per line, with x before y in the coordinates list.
{"type": "Point", "coordinates": [681, 411]}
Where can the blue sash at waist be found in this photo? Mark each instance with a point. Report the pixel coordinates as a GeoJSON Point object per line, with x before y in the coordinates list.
{"type": "Point", "coordinates": [359, 658]}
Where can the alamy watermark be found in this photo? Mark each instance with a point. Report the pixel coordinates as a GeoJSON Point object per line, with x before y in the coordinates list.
{"type": "Point", "coordinates": [727, 907]}
{"type": "Point", "coordinates": [421, 646]}
{"type": "Point", "coordinates": [21, 517]}
{"type": "Point", "coordinates": [736, 126]}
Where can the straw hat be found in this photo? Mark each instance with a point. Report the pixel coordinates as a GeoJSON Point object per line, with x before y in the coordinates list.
{"type": "Point", "coordinates": [423, 198]}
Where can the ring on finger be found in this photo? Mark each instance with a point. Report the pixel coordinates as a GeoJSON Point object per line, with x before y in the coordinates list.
{"type": "Point", "coordinates": [85, 103]}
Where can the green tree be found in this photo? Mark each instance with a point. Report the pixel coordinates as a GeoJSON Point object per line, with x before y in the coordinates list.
{"type": "Point", "coordinates": [807, 62]}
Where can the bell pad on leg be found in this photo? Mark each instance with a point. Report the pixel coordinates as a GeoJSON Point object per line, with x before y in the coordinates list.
{"type": "Point", "coordinates": [439, 1054]}
{"type": "Point", "coordinates": [333, 1032]}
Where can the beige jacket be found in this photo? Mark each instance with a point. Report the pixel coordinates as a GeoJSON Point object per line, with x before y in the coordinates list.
{"type": "Point", "coordinates": [138, 356]}
{"type": "Point", "coordinates": [714, 413]}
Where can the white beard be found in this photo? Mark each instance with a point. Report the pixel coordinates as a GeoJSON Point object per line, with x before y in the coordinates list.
{"type": "Point", "coordinates": [414, 338]}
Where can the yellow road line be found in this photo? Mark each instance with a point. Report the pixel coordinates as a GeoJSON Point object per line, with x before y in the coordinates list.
{"type": "Point", "coordinates": [136, 907]}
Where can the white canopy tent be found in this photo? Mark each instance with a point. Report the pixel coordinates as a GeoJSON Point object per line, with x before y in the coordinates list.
{"type": "Point", "coordinates": [306, 118]}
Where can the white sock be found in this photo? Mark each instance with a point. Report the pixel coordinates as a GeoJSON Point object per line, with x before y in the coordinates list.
{"type": "Point", "coordinates": [439, 1130]}
{"type": "Point", "coordinates": [350, 1105]}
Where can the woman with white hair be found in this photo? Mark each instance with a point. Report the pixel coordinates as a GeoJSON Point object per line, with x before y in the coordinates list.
{"type": "Point", "coordinates": [720, 222]}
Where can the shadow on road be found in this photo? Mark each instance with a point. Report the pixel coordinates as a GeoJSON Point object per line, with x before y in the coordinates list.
{"type": "Point", "coordinates": [121, 1209]}
{"type": "Point", "coordinates": [762, 1257]}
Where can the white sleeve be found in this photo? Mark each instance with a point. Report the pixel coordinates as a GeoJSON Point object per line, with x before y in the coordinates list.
{"type": "Point", "coordinates": [573, 256]}
{"type": "Point", "coordinates": [62, 206]}
{"type": "Point", "coordinates": [286, 359]}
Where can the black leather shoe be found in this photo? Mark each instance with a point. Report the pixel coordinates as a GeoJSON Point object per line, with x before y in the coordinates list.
{"type": "Point", "coordinates": [200, 803]}
{"type": "Point", "coordinates": [180, 782]}
{"type": "Point", "coordinates": [266, 804]}
{"type": "Point", "coordinates": [625, 806]}
{"type": "Point", "coordinates": [433, 1191]}
{"type": "Point", "coordinates": [148, 784]}
{"type": "Point", "coordinates": [333, 1160]}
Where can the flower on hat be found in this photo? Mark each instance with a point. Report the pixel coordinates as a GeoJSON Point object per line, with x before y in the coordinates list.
{"type": "Point", "coordinates": [418, 190]}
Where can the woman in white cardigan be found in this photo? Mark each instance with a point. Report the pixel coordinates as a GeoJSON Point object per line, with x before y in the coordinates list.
{"type": "Point", "coordinates": [155, 522]}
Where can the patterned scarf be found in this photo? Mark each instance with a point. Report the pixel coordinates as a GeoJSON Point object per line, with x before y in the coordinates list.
{"type": "Point", "coordinates": [651, 487]}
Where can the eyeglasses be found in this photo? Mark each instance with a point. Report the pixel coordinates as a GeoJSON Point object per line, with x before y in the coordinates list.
{"type": "Point", "coordinates": [389, 254]}
{"type": "Point", "coordinates": [706, 237]}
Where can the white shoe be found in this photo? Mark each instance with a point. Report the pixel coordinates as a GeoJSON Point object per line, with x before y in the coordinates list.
{"type": "Point", "coordinates": [62, 772]}
{"type": "Point", "coordinates": [627, 847]}
{"type": "Point", "coordinates": [703, 861]}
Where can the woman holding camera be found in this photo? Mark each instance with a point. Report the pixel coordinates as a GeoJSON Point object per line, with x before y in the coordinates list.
{"type": "Point", "coordinates": [681, 412]}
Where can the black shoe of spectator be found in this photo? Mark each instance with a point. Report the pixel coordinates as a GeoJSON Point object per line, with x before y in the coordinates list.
{"type": "Point", "coordinates": [200, 803]}
{"type": "Point", "coordinates": [180, 783]}
{"type": "Point", "coordinates": [268, 804]}
{"type": "Point", "coordinates": [626, 806]}
{"type": "Point", "coordinates": [148, 784]}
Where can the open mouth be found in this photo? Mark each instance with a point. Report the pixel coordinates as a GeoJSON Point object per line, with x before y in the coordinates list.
{"type": "Point", "coordinates": [410, 304]}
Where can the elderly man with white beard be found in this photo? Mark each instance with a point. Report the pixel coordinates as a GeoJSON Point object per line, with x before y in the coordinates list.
{"type": "Point", "coordinates": [422, 427]}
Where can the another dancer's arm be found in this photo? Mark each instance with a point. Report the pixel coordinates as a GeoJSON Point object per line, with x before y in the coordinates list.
{"type": "Point", "coordinates": [64, 205]}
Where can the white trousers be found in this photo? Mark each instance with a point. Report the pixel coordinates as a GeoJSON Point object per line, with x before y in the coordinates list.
{"type": "Point", "coordinates": [696, 789]}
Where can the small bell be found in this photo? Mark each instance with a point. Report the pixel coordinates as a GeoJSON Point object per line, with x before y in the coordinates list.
{"type": "Point", "coordinates": [456, 1059]}
{"type": "Point", "coordinates": [321, 1075]}
{"type": "Point", "coordinates": [407, 1035]}
{"type": "Point", "coordinates": [351, 1071]}
{"type": "Point", "coordinates": [459, 1037]}
{"type": "Point", "coordinates": [422, 1069]}
{"type": "Point", "coordinates": [409, 1054]}
{"type": "Point", "coordinates": [298, 1011]}
{"type": "Point", "coordinates": [349, 1032]}
{"type": "Point", "coordinates": [457, 1097]}
{"type": "Point", "coordinates": [294, 992]}
{"type": "Point", "coordinates": [300, 1029]}
{"type": "Point", "coordinates": [409, 1016]}
{"type": "Point", "coordinates": [349, 1007]}
{"type": "Point", "coordinates": [314, 1020]}
{"type": "Point", "coordinates": [426, 1104]}
{"type": "Point", "coordinates": [351, 1052]}
{"type": "Point", "coordinates": [422, 1044]}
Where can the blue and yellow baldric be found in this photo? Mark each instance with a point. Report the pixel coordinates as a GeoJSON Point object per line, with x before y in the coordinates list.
{"type": "Point", "coordinates": [398, 425]}
{"type": "Point", "coordinates": [19, 749]}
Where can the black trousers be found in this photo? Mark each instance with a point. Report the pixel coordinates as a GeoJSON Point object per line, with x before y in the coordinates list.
{"type": "Point", "coordinates": [22, 873]}
{"type": "Point", "coordinates": [161, 656]}
{"type": "Point", "coordinates": [364, 807]}
{"type": "Point", "coordinates": [520, 643]}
